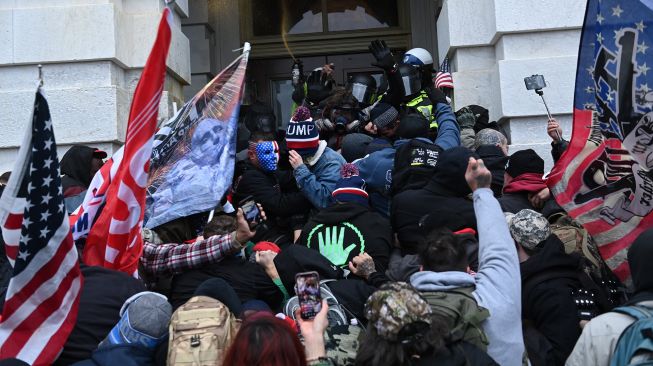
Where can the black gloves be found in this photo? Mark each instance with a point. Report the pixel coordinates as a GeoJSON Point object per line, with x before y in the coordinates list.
{"type": "Point", "coordinates": [382, 54]}
{"type": "Point", "coordinates": [436, 96]}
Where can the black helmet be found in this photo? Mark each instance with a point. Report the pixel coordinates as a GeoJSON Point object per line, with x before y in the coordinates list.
{"type": "Point", "coordinates": [408, 79]}
{"type": "Point", "coordinates": [363, 88]}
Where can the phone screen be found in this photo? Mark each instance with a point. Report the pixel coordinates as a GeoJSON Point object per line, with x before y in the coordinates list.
{"type": "Point", "coordinates": [251, 211]}
{"type": "Point", "coordinates": [307, 286]}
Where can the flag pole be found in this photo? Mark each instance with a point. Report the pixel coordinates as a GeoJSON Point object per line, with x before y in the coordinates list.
{"type": "Point", "coordinates": [40, 75]}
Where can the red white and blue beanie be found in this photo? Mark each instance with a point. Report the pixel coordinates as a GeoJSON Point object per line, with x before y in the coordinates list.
{"type": "Point", "coordinates": [350, 187]}
{"type": "Point", "coordinates": [301, 134]}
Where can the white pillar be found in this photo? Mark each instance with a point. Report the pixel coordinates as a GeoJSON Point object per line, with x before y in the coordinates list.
{"type": "Point", "coordinates": [494, 44]}
{"type": "Point", "coordinates": [93, 53]}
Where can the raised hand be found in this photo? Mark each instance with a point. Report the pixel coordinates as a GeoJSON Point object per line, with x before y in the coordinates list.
{"type": "Point", "coordinates": [382, 54]}
{"type": "Point", "coordinates": [332, 246]}
{"type": "Point", "coordinates": [477, 175]}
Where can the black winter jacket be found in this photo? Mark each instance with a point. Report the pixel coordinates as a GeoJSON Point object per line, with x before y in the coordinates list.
{"type": "Point", "coordinates": [443, 196]}
{"type": "Point", "coordinates": [549, 304]}
{"type": "Point", "coordinates": [103, 294]}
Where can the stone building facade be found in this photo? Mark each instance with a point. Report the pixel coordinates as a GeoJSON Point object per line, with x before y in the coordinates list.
{"type": "Point", "coordinates": [93, 51]}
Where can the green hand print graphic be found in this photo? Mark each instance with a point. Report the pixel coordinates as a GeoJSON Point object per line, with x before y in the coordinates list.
{"type": "Point", "coordinates": [332, 246]}
{"type": "Point", "coordinates": [331, 242]}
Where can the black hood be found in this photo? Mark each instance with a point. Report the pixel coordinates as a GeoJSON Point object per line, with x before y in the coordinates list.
{"type": "Point", "coordinates": [640, 257]}
{"type": "Point", "coordinates": [76, 164]}
{"type": "Point", "coordinates": [551, 256]}
{"type": "Point", "coordinates": [339, 212]}
{"type": "Point", "coordinates": [449, 175]}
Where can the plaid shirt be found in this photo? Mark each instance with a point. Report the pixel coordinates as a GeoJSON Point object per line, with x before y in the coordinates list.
{"type": "Point", "coordinates": [160, 259]}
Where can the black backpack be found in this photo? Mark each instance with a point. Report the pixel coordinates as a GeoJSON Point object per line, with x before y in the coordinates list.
{"type": "Point", "coordinates": [414, 165]}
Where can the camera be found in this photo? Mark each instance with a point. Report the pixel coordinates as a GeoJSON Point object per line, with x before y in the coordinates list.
{"type": "Point", "coordinates": [535, 82]}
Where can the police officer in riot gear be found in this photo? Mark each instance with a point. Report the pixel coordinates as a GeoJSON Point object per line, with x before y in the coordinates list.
{"type": "Point", "coordinates": [363, 88]}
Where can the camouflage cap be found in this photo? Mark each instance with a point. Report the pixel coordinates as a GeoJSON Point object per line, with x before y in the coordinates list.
{"type": "Point", "coordinates": [529, 228]}
{"type": "Point", "coordinates": [393, 306]}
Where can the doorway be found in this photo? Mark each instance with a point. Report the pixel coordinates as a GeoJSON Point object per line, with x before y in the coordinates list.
{"type": "Point", "coordinates": [271, 79]}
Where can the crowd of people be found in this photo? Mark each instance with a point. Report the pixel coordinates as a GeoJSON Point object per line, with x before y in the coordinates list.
{"type": "Point", "coordinates": [433, 246]}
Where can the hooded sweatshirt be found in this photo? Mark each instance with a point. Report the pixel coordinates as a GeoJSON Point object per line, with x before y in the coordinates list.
{"type": "Point", "coordinates": [352, 228]}
{"type": "Point", "coordinates": [76, 170]}
{"type": "Point", "coordinates": [497, 286]}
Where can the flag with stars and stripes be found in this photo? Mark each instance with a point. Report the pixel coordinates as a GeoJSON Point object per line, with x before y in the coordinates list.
{"type": "Point", "coordinates": [40, 307]}
{"type": "Point", "coordinates": [604, 178]}
{"type": "Point", "coordinates": [443, 77]}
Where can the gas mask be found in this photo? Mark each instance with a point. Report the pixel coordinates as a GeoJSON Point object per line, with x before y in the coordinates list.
{"type": "Point", "coordinates": [267, 153]}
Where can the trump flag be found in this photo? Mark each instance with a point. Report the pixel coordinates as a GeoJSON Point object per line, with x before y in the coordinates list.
{"type": "Point", "coordinates": [604, 178]}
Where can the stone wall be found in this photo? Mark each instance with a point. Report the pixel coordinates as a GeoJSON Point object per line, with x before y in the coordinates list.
{"type": "Point", "coordinates": [494, 44]}
{"type": "Point", "coordinates": [92, 52]}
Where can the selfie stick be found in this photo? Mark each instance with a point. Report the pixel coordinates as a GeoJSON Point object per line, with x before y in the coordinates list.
{"type": "Point", "coordinates": [541, 94]}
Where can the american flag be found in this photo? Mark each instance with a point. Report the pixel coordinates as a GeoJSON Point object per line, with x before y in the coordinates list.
{"type": "Point", "coordinates": [604, 178]}
{"type": "Point", "coordinates": [443, 77]}
{"type": "Point", "coordinates": [40, 308]}
{"type": "Point", "coordinates": [114, 239]}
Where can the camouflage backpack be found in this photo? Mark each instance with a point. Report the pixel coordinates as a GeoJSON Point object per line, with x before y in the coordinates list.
{"type": "Point", "coordinates": [597, 276]}
{"type": "Point", "coordinates": [462, 312]}
{"type": "Point", "coordinates": [201, 330]}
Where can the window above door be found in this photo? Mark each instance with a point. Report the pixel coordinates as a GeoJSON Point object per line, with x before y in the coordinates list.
{"type": "Point", "coordinates": [322, 26]}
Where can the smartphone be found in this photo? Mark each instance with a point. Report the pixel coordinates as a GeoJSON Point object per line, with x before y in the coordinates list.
{"type": "Point", "coordinates": [251, 211]}
{"type": "Point", "coordinates": [535, 82]}
{"type": "Point", "coordinates": [307, 287]}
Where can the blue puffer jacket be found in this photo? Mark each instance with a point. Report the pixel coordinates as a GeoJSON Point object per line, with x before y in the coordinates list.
{"type": "Point", "coordinates": [119, 354]}
{"type": "Point", "coordinates": [318, 182]}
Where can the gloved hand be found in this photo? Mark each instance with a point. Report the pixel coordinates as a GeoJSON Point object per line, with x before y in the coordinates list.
{"type": "Point", "coordinates": [382, 54]}
{"type": "Point", "coordinates": [466, 118]}
{"type": "Point", "coordinates": [318, 87]}
{"type": "Point", "coordinates": [436, 96]}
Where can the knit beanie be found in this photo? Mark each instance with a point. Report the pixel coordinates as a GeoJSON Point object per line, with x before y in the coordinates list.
{"type": "Point", "coordinates": [301, 134]}
{"type": "Point", "coordinates": [266, 245]}
{"type": "Point", "coordinates": [144, 321]}
{"type": "Point", "coordinates": [383, 114]}
{"type": "Point", "coordinates": [350, 187]}
{"type": "Point", "coordinates": [524, 161]}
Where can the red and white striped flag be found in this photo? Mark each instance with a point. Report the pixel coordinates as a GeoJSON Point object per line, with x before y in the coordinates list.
{"type": "Point", "coordinates": [114, 239]}
{"type": "Point", "coordinates": [41, 303]}
{"type": "Point", "coordinates": [443, 77]}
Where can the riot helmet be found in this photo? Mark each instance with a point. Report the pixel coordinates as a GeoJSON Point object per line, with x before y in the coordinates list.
{"type": "Point", "coordinates": [318, 86]}
{"type": "Point", "coordinates": [363, 88]}
{"type": "Point", "coordinates": [422, 59]}
{"type": "Point", "coordinates": [407, 79]}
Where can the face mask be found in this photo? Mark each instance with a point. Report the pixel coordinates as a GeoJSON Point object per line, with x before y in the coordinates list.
{"type": "Point", "coordinates": [267, 153]}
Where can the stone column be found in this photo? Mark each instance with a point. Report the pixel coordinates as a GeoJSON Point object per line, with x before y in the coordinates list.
{"type": "Point", "coordinates": [494, 44]}
{"type": "Point", "coordinates": [93, 53]}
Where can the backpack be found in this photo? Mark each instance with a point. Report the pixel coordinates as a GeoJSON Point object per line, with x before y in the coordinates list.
{"type": "Point", "coordinates": [201, 330]}
{"type": "Point", "coordinates": [598, 278]}
{"type": "Point", "coordinates": [460, 308]}
{"type": "Point", "coordinates": [635, 345]}
{"type": "Point", "coordinates": [341, 337]}
{"type": "Point", "coordinates": [414, 164]}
